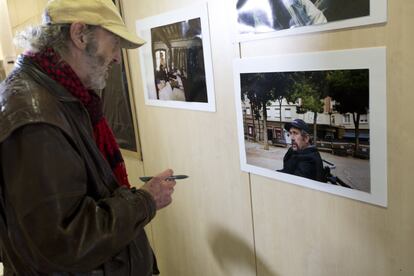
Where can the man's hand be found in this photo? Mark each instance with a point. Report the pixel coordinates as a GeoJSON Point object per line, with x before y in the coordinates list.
{"type": "Point", "coordinates": [160, 188]}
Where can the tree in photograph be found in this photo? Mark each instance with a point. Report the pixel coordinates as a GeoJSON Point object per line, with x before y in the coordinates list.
{"type": "Point", "coordinates": [258, 89]}
{"type": "Point", "coordinates": [255, 113]}
{"type": "Point", "coordinates": [308, 91]}
{"type": "Point", "coordinates": [350, 91]}
{"type": "Point", "coordinates": [247, 92]}
{"type": "Point", "coordinates": [282, 82]}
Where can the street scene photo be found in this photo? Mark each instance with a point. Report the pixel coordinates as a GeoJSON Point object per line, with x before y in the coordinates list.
{"type": "Point", "coordinates": [312, 124]}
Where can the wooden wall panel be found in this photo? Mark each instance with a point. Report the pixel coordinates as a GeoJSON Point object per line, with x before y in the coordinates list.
{"type": "Point", "coordinates": [208, 228]}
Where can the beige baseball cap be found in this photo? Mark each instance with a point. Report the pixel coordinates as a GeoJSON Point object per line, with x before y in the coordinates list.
{"type": "Point", "coordinates": [101, 13]}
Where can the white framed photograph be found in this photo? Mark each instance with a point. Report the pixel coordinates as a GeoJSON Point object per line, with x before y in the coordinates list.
{"type": "Point", "coordinates": [316, 120]}
{"type": "Point", "coordinates": [260, 19]}
{"type": "Point", "coordinates": [176, 61]}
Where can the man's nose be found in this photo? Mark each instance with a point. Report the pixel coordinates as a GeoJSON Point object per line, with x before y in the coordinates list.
{"type": "Point", "coordinates": [117, 56]}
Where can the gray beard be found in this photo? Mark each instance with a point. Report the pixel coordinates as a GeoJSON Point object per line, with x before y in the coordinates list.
{"type": "Point", "coordinates": [97, 76]}
{"type": "Point", "coordinates": [98, 72]}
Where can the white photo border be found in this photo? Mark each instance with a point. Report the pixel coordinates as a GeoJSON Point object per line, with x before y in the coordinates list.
{"type": "Point", "coordinates": [378, 14]}
{"type": "Point", "coordinates": [373, 59]}
{"type": "Point", "coordinates": [143, 28]}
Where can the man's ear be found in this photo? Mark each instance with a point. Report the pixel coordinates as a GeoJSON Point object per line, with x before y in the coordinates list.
{"type": "Point", "coordinates": [77, 35]}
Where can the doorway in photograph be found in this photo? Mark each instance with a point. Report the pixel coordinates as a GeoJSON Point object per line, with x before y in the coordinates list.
{"type": "Point", "coordinates": [178, 61]}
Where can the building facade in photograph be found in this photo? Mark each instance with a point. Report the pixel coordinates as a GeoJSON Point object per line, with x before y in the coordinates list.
{"type": "Point", "coordinates": [335, 132]}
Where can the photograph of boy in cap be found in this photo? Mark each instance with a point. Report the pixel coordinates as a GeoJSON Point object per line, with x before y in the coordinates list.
{"type": "Point", "coordinates": [302, 158]}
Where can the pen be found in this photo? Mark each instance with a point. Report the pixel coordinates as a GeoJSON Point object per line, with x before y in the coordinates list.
{"type": "Point", "coordinates": [173, 177]}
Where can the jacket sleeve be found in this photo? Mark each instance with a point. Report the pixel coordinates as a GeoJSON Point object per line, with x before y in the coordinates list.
{"type": "Point", "coordinates": [56, 223]}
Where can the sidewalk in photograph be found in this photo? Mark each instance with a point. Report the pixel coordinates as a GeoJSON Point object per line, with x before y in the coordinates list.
{"type": "Point", "coordinates": [355, 172]}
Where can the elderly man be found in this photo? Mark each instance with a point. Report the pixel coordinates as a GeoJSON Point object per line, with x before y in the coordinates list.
{"type": "Point", "coordinates": [302, 158]}
{"type": "Point", "coordinates": [65, 203]}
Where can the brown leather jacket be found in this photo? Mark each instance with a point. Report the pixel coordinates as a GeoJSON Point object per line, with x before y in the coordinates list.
{"type": "Point", "coordinates": [61, 210]}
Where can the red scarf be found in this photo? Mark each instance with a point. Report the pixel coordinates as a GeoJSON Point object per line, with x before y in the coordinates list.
{"type": "Point", "coordinates": [61, 72]}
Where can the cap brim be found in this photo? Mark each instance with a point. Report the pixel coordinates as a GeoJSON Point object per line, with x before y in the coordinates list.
{"type": "Point", "coordinates": [128, 40]}
{"type": "Point", "coordinates": [288, 126]}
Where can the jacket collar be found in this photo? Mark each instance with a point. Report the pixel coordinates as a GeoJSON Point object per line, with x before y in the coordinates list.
{"type": "Point", "coordinates": [26, 65]}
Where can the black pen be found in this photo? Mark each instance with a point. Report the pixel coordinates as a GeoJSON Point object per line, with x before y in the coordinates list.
{"type": "Point", "coordinates": [173, 177]}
